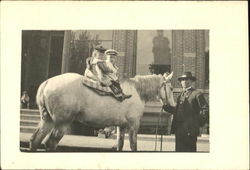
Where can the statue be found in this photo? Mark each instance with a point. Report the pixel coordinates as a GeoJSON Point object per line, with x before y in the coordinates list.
{"type": "Point", "coordinates": [162, 54]}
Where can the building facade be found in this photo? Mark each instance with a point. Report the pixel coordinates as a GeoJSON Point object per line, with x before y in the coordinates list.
{"type": "Point", "coordinates": [49, 53]}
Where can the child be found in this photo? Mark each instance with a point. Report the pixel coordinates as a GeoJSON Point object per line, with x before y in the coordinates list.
{"type": "Point", "coordinates": [111, 73]}
{"type": "Point", "coordinates": [97, 56]}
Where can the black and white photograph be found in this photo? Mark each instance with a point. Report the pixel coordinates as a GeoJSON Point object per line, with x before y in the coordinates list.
{"type": "Point", "coordinates": [124, 85]}
{"type": "Point", "coordinates": [105, 90]}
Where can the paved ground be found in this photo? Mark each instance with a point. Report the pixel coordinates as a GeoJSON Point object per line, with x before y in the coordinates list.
{"type": "Point", "coordinates": [89, 143]}
{"type": "Point", "coordinates": [168, 144]}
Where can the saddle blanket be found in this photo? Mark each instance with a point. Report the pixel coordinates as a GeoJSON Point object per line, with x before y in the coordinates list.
{"type": "Point", "coordinates": [97, 87]}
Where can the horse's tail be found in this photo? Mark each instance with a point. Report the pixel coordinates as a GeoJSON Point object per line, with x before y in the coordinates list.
{"type": "Point", "coordinates": [40, 101]}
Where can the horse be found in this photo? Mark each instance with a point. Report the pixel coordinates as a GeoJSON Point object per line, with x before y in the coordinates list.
{"type": "Point", "coordinates": [63, 99]}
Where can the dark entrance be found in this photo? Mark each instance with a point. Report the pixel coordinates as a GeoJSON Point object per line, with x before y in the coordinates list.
{"type": "Point", "coordinates": [41, 59]}
{"type": "Point", "coordinates": [55, 58]}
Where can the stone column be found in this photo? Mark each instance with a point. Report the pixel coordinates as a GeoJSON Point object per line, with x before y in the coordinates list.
{"type": "Point", "coordinates": [66, 51]}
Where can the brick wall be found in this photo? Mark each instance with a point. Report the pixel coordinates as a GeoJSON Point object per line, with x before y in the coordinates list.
{"type": "Point", "coordinates": [130, 53]}
{"type": "Point", "coordinates": [189, 55]}
{"type": "Point", "coordinates": [119, 41]}
{"type": "Point", "coordinates": [124, 41]}
{"type": "Point", "coordinates": [200, 59]}
{"type": "Point", "coordinates": [177, 57]}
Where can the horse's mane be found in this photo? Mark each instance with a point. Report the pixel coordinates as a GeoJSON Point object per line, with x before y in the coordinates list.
{"type": "Point", "coordinates": [147, 86]}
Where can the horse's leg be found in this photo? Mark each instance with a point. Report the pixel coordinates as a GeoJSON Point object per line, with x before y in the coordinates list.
{"type": "Point", "coordinates": [120, 137]}
{"type": "Point", "coordinates": [133, 136]}
{"type": "Point", "coordinates": [54, 137]}
{"type": "Point", "coordinates": [43, 129]}
{"type": "Point", "coordinates": [133, 139]}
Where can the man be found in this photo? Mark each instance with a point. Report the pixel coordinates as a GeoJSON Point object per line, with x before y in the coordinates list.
{"type": "Point", "coordinates": [190, 114]}
{"type": "Point", "coordinates": [25, 100]}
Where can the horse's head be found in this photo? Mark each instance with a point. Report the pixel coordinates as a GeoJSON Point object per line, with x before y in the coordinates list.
{"type": "Point", "coordinates": [166, 90]}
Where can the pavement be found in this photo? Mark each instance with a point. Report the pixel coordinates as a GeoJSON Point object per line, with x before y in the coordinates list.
{"type": "Point", "coordinates": [145, 143]}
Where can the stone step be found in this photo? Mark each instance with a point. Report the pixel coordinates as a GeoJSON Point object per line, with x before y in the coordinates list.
{"type": "Point", "coordinates": [27, 129]}
{"type": "Point", "coordinates": [29, 123]}
{"type": "Point", "coordinates": [29, 112]}
{"type": "Point", "coordinates": [30, 117]}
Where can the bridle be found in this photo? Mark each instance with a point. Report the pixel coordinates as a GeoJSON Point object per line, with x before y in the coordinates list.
{"type": "Point", "coordinates": [164, 101]}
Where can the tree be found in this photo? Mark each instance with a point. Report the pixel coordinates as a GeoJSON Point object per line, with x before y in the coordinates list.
{"type": "Point", "coordinates": [80, 49]}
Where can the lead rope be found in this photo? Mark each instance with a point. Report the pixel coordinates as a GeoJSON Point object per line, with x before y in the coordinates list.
{"type": "Point", "coordinates": [156, 130]}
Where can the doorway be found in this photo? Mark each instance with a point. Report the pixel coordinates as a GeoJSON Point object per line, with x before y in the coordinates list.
{"type": "Point", "coordinates": [55, 57]}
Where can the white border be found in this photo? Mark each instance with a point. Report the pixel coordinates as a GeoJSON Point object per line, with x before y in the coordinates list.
{"type": "Point", "coordinates": [227, 22]}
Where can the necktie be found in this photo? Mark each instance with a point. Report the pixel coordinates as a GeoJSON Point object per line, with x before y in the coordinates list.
{"type": "Point", "coordinates": [182, 97]}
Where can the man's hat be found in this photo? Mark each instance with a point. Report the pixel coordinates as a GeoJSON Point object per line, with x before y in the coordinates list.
{"type": "Point", "coordinates": [111, 52]}
{"type": "Point", "coordinates": [187, 75]}
{"type": "Point", "coordinates": [100, 48]}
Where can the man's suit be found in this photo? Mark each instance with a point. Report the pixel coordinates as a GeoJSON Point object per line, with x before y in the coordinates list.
{"type": "Point", "coordinates": [190, 114]}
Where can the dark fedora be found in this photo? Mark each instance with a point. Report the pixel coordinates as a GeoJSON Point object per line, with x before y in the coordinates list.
{"type": "Point", "coordinates": [187, 75]}
{"type": "Point", "coordinates": [100, 48]}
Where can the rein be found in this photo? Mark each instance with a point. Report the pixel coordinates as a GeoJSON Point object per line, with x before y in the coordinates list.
{"type": "Point", "coordinates": [156, 131]}
{"type": "Point", "coordinates": [164, 102]}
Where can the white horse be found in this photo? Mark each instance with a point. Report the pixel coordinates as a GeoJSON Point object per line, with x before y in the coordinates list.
{"type": "Point", "coordinates": [64, 99]}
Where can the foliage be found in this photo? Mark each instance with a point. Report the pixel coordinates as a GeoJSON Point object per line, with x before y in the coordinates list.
{"type": "Point", "coordinates": [80, 49]}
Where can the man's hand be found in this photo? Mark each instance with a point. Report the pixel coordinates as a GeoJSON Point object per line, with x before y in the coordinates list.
{"type": "Point", "coordinates": [169, 109]}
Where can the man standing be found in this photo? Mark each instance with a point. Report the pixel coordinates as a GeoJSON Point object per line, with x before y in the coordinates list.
{"type": "Point", "coordinates": [25, 100]}
{"type": "Point", "coordinates": [190, 114]}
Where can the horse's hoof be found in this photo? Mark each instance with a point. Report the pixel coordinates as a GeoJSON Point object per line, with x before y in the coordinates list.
{"type": "Point", "coordinates": [31, 149]}
{"type": "Point", "coordinates": [114, 147]}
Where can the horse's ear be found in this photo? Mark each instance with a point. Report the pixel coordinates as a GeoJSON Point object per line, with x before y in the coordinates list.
{"type": "Point", "coordinates": [168, 77]}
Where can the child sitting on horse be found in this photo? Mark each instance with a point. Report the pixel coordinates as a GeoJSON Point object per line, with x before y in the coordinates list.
{"type": "Point", "coordinates": [105, 71]}
{"type": "Point", "coordinates": [111, 73]}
